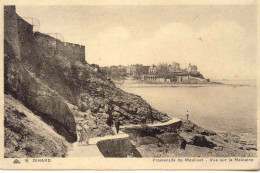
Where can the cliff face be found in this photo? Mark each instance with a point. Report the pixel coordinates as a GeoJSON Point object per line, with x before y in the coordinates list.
{"type": "Point", "coordinates": [26, 135]}
{"type": "Point", "coordinates": [53, 81]}
{"type": "Point", "coordinates": [38, 97]}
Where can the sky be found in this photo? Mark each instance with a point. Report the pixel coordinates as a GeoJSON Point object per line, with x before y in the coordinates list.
{"type": "Point", "coordinates": [220, 40]}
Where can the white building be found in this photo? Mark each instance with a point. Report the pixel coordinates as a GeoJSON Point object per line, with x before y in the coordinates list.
{"type": "Point", "coordinates": [152, 69]}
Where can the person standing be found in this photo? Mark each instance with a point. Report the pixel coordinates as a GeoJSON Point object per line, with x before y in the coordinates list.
{"type": "Point", "coordinates": [82, 137]}
{"type": "Point", "coordinates": [183, 144]}
{"type": "Point", "coordinates": [110, 120]}
{"type": "Point", "coordinates": [187, 115]}
{"type": "Point", "coordinates": [79, 129]}
{"type": "Point", "coordinates": [88, 133]}
{"type": "Point", "coordinates": [117, 125]}
{"type": "Point", "coordinates": [97, 120]}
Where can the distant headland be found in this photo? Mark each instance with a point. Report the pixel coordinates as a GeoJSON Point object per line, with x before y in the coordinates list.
{"type": "Point", "coordinates": [159, 74]}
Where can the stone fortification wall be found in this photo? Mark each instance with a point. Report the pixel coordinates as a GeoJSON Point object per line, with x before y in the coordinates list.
{"type": "Point", "coordinates": [19, 34]}
{"type": "Point", "coordinates": [47, 43]}
{"type": "Point", "coordinates": [10, 29]}
{"type": "Point", "coordinates": [74, 52]}
{"type": "Point", "coordinates": [26, 41]}
{"type": "Point", "coordinates": [25, 30]}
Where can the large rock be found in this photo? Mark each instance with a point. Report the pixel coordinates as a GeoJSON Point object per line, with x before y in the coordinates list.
{"type": "Point", "coordinates": [118, 148]}
{"type": "Point", "coordinates": [202, 142]}
{"type": "Point", "coordinates": [170, 138]}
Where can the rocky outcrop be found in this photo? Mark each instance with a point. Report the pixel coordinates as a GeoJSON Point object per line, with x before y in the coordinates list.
{"type": "Point", "coordinates": [155, 141]}
{"type": "Point", "coordinates": [188, 140]}
{"type": "Point", "coordinates": [26, 135]}
{"type": "Point", "coordinates": [195, 135]}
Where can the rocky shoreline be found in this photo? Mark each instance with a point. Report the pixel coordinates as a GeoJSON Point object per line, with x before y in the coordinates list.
{"type": "Point", "coordinates": [121, 83]}
{"type": "Point", "coordinates": [199, 142]}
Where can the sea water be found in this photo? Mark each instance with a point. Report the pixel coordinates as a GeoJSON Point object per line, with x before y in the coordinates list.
{"type": "Point", "coordinates": [216, 107]}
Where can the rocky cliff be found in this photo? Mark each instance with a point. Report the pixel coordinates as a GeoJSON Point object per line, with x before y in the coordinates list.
{"type": "Point", "coordinates": [26, 135]}
{"type": "Point", "coordinates": [36, 96]}
{"type": "Point", "coordinates": [59, 89]}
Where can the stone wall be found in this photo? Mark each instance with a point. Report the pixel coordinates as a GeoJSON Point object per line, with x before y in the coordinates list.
{"type": "Point", "coordinates": [10, 29]}
{"type": "Point", "coordinates": [46, 43]}
{"type": "Point", "coordinates": [145, 130]}
{"type": "Point", "coordinates": [25, 30]}
{"type": "Point", "coordinates": [74, 52]}
{"type": "Point", "coordinates": [26, 41]}
{"type": "Point", "coordinates": [120, 147]}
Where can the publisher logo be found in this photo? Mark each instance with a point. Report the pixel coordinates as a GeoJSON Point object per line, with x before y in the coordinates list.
{"type": "Point", "coordinates": [16, 161]}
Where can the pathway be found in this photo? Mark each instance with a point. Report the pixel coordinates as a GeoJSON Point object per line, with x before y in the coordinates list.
{"type": "Point", "coordinates": [84, 151]}
{"type": "Point", "coordinates": [172, 121]}
{"type": "Point", "coordinates": [92, 150]}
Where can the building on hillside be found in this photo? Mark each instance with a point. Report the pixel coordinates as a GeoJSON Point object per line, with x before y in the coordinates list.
{"type": "Point", "coordinates": [152, 69]}
{"type": "Point", "coordinates": [156, 79]}
{"type": "Point", "coordinates": [183, 78]}
{"type": "Point", "coordinates": [161, 80]}
{"type": "Point", "coordinates": [137, 70]}
{"type": "Point", "coordinates": [180, 77]}
{"type": "Point", "coordinates": [131, 70]}
{"type": "Point", "coordinates": [168, 80]}
{"type": "Point", "coordinates": [192, 68]}
{"type": "Point", "coordinates": [143, 70]}
{"type": "Point", "coordinates": [149, 78]}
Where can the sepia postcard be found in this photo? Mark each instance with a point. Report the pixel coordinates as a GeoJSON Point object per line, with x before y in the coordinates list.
{"type": "Point", "coordinates": [129, 85]}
